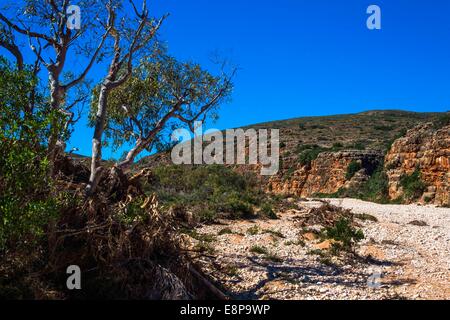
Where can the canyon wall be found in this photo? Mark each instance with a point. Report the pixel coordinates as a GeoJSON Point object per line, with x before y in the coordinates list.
{"type": "Point", "coordinates": [327, 173]}
{"type": "Point", "coordinates": [423, 148]}
{"type": "Point", "coordinates": [428, 150]}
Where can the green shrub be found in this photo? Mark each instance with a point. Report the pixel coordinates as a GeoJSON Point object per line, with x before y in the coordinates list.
{"type": "Point", "coordinates": [274, 232]}
{"type": "Point", "coordinates": [383, 128]}
{"type": "Point", "coordinates": [442, 121]}
{"type": "Point", "coordinates": [267, 210]}
{"type": "Point", "coordinates": [345, 233]}
{"type": "Point", "coordinates": [253, 230]}
{"type": "Point", "coordinates": [353, 167]}
{"type": "Point", "coordinates": [28, 200]}
{"type": "Point", "coordinates": [358, 145]}
{"type": "Point", "coordinates": [207, 215]}
{"type": "Point", "coordinates": [209, 191]}
{"type": "Point", "coordinates": [376, 188]}
{"type": "Point", "coordinates": [259, 250]}
{"type": "Point", "coordinates": [413, 186]}
{"type": "Point", "coordinates": [309, 153]}
{"type": "Point", "coordinates": [225, 231]}
{"type": "Point", "coordinates": [235, 207]}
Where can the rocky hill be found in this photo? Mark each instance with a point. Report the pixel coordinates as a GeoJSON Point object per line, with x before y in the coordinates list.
{"type": "Point", "coordinates": [381, 155]}
{"type": "Point", "coordinates": [405, 153]}
{"type": "Point", "coordinates": [424, 150]}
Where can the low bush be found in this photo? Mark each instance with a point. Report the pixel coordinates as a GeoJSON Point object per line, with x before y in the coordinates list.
{"type": "Point", "coordinates": [309, 153]}
{"type": "Point", "coordinates": [376, 188]}
{"type": "Point", "coordinates": [267, 211]}
{"type": "Point", "coordinates": [253, 230]}
{"type": "Point", "coordinates": [209, 191]}
{"type": "Point", "coordinates": [259, 250]}
{"type": "Point", "coordinates": [413, 186]}
{"type": "Point", "coordinates": [442, 121]}
{"type": "Point", "coordinates": [353, 167]}
{"type": "Point", "coordinates": [345, 235]}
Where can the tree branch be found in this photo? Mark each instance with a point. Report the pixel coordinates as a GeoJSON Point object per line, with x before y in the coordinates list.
{"type": "Point", "coordinates": [28, 32]}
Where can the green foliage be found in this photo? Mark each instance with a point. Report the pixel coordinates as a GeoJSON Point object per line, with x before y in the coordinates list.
{"type": "Point", "coordinates": [225, 231]}
{"type": "Point", "coordinates": [253, 230]}
{"type": "Point", "coordinates": [358, 145]}
{"type": "Point", "coordinates": [413, 186]}
{"type": "Point", "coordinates": [133, 213]}
{"type": "Point", "coordinates": [274, 232]}
{"type": "Point", "coordinates": [203, 237]}
{"type": "Point", "coordinates": [353, 167]}
{"type": "Point", "coordinates": [208, 190]}
{"type": "Point", "coordinates": [442, 121]}
{"type": "Point", "coordinates": [159, 88]}
{"type": "Point", "coordinates": [27, 199]}
{"type": "Point", "coordinates": [259, 250]}
{"type": "Point", "coordinates": [308, 153]}
{"type": "Point", "coordinates": [376, 189]}
{"type": "Point", "coordinates": [343, 232]}
{"type": "Point", "coordinates": [267, 210]}
{"type": "Point", "coordinates": [206, 215]}
{"type": "Point", "coordinates": [383, 128]}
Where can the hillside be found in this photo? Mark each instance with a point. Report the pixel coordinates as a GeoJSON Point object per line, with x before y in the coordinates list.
{"type": "Point", "coordinates": [374, 129]}
{"type": "Point", "coordinates": [316, 154]}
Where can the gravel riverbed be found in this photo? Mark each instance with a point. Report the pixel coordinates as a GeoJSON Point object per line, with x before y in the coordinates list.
{"type": "Point", "coordinates": [405, 255]}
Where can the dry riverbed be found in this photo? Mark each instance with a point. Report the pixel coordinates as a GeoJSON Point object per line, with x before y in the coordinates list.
{"type": "Point", "coordinates": [405, 255]}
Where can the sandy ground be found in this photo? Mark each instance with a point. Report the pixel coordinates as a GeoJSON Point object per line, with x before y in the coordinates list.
{"type": "Point", "coordinates": [397, 259]}
{"type": "Point", "coordinates": [421, 252]}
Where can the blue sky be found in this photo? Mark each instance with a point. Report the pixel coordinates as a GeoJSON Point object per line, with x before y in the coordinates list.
{"type": "Point", "coordinates": [315, 57]}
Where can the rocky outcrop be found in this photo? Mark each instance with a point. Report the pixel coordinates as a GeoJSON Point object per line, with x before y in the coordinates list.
{"type": "Point", "coordinates": [428, 150]}
{"type": "Point", "coordinates": [327, 173]}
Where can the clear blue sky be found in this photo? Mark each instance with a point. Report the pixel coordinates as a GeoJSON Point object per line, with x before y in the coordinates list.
{"type": "Point", "coordinates": [313, 57]}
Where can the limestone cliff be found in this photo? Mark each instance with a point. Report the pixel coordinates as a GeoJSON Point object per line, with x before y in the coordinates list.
{"type": "Point", "coordinates": [428, 150]}
{"type": "Point", "coordinates": [327, 173]}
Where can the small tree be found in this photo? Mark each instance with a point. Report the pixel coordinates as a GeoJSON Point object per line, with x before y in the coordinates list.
{"type": "Point", "coordinates": [128, 39]}
{"type": "Point", "coordinates": [26, 199]}
{"type": "Point", "coordinates": [162, 93]}
{"type": "Point", "coordinates": [43, 23]}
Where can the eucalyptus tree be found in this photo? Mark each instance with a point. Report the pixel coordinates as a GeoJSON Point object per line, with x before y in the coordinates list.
{"type": "Point", "coordinates": [44, 26]}
{"type": "Point", "coordinates": [131, 37]}
{"type": "Point", "coordinates": [161, 95]}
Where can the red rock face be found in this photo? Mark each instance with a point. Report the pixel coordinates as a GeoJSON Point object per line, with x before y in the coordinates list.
{"type": "Point", "coordinates": [326, 174]}
{"type": "Point", "coordinates": [428, 150]}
